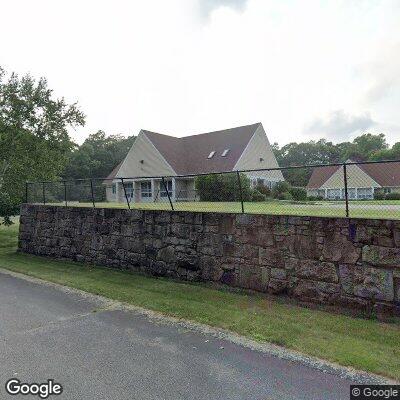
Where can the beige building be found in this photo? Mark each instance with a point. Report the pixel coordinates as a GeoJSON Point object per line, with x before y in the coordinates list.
{"type": "Point", "coordinates": [154, 155]}
{"type": "Point", "coordinates": [363, 181]}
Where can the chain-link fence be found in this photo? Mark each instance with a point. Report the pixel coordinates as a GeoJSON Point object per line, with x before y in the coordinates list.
{"type": "Point", "coordinates": [356, 190]}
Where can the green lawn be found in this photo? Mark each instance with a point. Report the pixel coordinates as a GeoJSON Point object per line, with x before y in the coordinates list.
{"type": "Point", "coordinates": [363, 344]}
{"type": "Point", "coordinates": [358, 209]}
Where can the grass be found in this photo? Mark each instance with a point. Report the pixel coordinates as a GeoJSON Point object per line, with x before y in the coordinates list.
{"type": "Point", "coordinates": [363, 344]}
{"type": "Point", "coordinates": [358, 209]}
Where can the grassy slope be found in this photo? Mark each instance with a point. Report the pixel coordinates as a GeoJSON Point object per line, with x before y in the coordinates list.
{"type": "Point", "coordinates": [364, 344]}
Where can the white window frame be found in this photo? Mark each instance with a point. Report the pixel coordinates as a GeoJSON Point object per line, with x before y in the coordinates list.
{"type": "Point", "coordinates": [146, 191]}
{"type": "Point", "coordinates": [163, 192]}
{"type": "Point", "coordinates": [129, 190]}
{"type": "Point", "coordinates": [211, 155]}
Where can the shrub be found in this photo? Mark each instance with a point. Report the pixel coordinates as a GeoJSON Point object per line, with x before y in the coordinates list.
{"type": "Point", "coordinates": [284, 196]}
{"type": "Point", "coordinates": [298, 194]}
{"type": "Point", "coordinates": [223, 187]}
{"type": "Point", "coordinates": [280, 187]}
{"type": "Point", "coordinates": [392, 196]}
{"type": "Point", "coordinates": [379, 196]}
{"type": "Point", "coordinates": [257, 196]}
{"type": "Point", "coordinates": [264, 190]}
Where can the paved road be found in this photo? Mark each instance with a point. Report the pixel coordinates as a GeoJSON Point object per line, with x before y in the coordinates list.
{"type": "Point", "coordinates": [97, 353]}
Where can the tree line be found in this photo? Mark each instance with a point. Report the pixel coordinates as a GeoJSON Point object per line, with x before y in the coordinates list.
{"type": "Point", "coordinates": [35, 143]}
{"type": "Point", "coordinates": [366, 147]}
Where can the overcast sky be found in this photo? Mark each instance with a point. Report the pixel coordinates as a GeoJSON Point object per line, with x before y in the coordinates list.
{"type": "Point", "coordinates": [305, 69]}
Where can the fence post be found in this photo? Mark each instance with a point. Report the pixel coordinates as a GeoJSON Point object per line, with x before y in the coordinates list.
{"type": "Point", "coordinates": [91, 190]}
{"type": "Point", "coordinates": [26, 192]}
{"type": "Point", "coordinates": [44, 195]}
{"type": "Point", "coordinates": [126, 196]}
{"type": "Point", "coordinates": [169, 197]}
{"type": "Point", "coordinates": [65, 193]}
{"type": "Point", "coordinates": [346, 194]}
{"type": "Point", "coordinates": [240, 190]}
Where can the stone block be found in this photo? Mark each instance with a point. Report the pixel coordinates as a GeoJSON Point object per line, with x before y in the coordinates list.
{"type": "Point", "coordinates": [167, 254]}
{"type": "Point", "coordinates": [381, 256]}
{"type": "Point", "coordinates": [277, 286]}
{"type": "Point", "coordinates": [373, 283]}
{"type": "Point", "coordinates": [317, 270]}
{"type": "Point", "coordinates": [338, 248]}
{"type": "Point", "coordinates": [321, 292]}
{"type": "Point", "coordinates": [278, 273]}
{"type": "Point", "coordinates": [270, 257]}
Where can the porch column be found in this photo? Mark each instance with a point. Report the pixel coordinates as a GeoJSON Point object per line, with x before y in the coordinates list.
{"type": "Point", "coordinates": [119, 195]}
{"type": "Point", "coordinates": [153, 189]}
{"type": "Point", "coordinates": [173, 196]}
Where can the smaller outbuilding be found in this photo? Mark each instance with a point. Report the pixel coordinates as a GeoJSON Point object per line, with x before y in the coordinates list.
{"type": "Point", "coordinates": [363, 181]}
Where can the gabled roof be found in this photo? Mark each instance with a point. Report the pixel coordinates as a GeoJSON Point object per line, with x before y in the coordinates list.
{"type": "Point", "coordinates": [385, 174]}
{"type": "Point", "coordinates": [188, 155]}
{"type": "Point", "coordinates": [112, 174]}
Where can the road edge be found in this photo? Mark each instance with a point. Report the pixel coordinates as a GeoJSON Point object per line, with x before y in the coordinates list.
{"type": "Point", "coordinates": [324, 366]}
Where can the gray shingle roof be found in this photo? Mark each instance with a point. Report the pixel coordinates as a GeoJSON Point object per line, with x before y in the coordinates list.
{"type": "Point", "coordinates": [188, 155]}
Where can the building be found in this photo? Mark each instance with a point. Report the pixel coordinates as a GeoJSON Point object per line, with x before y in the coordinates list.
{"type": "Point", "coordinates": [363, 181]}
{"type": "Point", "coordinates": [154, 155]}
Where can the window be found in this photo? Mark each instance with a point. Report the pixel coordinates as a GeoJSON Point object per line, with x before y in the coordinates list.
{"type": "Point", "coordinates": [387, 190]}
{"type": "Point", "coordinates": [211, 155]}
{"type": "Point", "coordinates": [145, 189]}
{"type": "Point", "coordinates": [364, 193]}
{"type": "Point", "coordinates": [129, 190]}
{"type": "Point", "coordinates": [260, 182]}
{"type": "Point", "coordinates": [114, 188]}
{"type": "Point", "coordinates": [225, 152]}
{"type": "Point", "coordinates": [163, 192]}
{"type": "Point", "coordinates": [352, 193]}
{"type": "Point", "coordinates": [334, 194]}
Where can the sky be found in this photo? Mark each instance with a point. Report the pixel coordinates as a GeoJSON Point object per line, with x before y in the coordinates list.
{"type": "Point", "coordinates": [305, 69]}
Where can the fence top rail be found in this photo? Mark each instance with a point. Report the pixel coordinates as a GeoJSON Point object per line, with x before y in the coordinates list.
{"type": "Point", "coordinates": [219, 173]}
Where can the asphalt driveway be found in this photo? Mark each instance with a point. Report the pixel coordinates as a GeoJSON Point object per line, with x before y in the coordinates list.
{"type": "Point", "coordinates": [100, 353]}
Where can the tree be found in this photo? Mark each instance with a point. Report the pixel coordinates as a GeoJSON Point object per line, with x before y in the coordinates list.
{"type": "Point", "coordinates": [364, 147]}
{"type": "Point", "coordinates": [97, 156]}
{"type": "Point", "coordinates": [387, 154]}
{"type": "Point", "coordinates": [34, 139]}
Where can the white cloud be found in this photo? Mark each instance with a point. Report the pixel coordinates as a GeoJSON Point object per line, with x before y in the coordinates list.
{"type": "Point", "coordinates": [339, 126]}
{"type": "Point", "coordinates": [161, 65]}
{"type": "Point", "coordinates": [207, 6]}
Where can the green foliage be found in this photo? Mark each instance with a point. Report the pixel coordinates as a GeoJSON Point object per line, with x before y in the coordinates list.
{"type": "Point", "coordinates": [223, 187]}
{"type": "Point", "coordinates": [279, 188]}
{"type": "Point", "coordinates": [34, 140]}
{"type": "Point", "coordinates": [97, 156]}
{"type": "Point", "coordinates": [387, 154]}
{"type": "Point", "coordinates": [257, 196]}
{"type": "Point", "coordinates": [284, 196]}
{"type": "Point", "coordinates": [379, 195]}
{"type": "Point", "coordinates": [264, 190]}
{"type": "Point", "coordinates": [364, 147]}
{"type": "Point", "coordinates": [392, 196]}
{"type": "Point", "coordinates": [298, 194]}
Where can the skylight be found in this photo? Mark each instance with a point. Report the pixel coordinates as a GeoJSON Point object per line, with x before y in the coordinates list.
{"type": "Point", "coordinates": [211, 155]}
{"type": "Point", "coordinates": [225, 152]}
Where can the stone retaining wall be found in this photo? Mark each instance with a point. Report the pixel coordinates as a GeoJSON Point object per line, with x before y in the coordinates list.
{"type": "Point", "coordinates": [352, 263]}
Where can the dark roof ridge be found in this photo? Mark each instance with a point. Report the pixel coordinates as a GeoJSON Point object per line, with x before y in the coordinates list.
{"type": "Point", "coordinates": [203, 133]}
